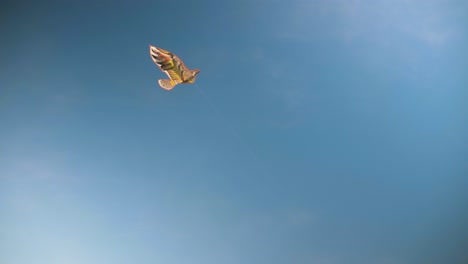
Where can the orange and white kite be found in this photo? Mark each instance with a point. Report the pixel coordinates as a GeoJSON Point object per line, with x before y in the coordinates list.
{"type": "Point", "coordinates": [173, 66]}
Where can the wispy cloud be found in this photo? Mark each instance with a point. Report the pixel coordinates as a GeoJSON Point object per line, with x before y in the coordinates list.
{"type": "Point", "coordinates": [41, 167]}
{"type": "Point", "coordinates": [427, 21]}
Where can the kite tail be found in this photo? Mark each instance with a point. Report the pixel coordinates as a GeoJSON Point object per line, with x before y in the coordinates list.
{"type": "Point", "coordinates": [166, 84]}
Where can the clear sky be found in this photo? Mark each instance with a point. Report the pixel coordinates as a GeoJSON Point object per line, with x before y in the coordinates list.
{"type": "Point", "coordinates": [326, 131]}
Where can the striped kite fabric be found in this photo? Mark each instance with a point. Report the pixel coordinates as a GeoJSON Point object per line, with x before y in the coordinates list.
{"type": "Point", "coordinates": [173, 66]}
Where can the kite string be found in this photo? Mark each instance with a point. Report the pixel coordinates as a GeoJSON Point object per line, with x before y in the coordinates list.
{"type": "Point", "coordinates": [230, 127]}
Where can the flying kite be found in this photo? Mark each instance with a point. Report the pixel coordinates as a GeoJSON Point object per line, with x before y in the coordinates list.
{"type": "Point", "coordinates": [173, 66]}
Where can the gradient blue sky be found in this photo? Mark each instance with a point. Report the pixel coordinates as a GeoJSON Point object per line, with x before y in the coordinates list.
{"type": "Point", "coordinates": [327, 131]}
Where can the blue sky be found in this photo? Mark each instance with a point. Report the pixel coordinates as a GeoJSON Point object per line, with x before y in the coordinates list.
{"type": "Point", "coordinates": [317, 132]}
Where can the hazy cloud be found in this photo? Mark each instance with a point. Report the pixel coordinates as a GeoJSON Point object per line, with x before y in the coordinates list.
{"type": "Point", "coordinates": [427, 21]}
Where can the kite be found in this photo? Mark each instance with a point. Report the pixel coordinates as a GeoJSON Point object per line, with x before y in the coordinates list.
{"type": "Point", "coordinates": [173, 66]}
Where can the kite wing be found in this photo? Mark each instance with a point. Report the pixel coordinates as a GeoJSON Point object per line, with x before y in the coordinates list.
{"type": "Point", "coordinates": [173, 66]}
{"type": "Point", "coordinates": [170, 64]}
